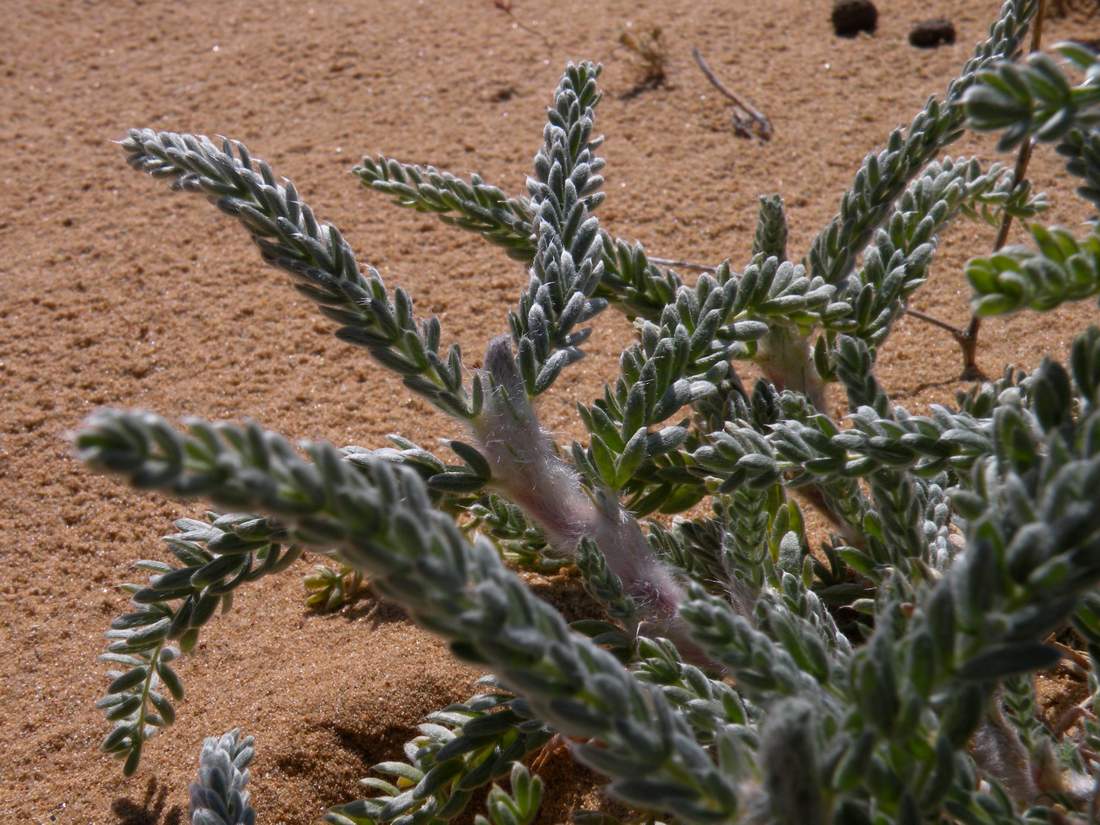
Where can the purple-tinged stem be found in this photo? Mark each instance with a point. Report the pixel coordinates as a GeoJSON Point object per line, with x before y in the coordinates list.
{"type": "Point", "coordinates": [527, 470]}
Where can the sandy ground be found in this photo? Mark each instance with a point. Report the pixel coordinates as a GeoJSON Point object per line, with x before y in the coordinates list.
{"type": "Point", "coordinates": [115, 292]}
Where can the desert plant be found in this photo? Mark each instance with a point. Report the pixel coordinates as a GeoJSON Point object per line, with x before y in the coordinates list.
{"type": "Point", "coordinates": [738, 676]}
{"type": "Point", "coordinates": [650, 55]}
{"type": "Point", "coordinates": [219, 797]}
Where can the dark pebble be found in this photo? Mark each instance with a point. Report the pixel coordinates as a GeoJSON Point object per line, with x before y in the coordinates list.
{"type": "Point", "coordinates": [850, 17]}
{"type": "Point", "coordinates": [928, 34]}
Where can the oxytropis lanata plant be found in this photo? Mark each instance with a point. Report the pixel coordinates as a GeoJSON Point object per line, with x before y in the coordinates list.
{"type": "Point", "coordinates": [741, 674]}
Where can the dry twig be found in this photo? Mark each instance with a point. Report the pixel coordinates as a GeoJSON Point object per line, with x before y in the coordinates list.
{"type": "Point", "coordinates": [967, 339]}
{"type": "Point", "coordinates": [683, 264]}
{"type": "Point", "coordinates": [506, 7]}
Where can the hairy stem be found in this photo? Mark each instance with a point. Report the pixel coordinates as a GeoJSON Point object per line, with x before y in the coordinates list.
{"type": "Point", "coordinates": [526, 469]}
{"type": "Point", "coordinates": [787, 361]}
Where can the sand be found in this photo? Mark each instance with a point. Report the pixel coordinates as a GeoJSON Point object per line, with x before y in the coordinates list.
{"type": "Point", "coordinates": [114, 291]}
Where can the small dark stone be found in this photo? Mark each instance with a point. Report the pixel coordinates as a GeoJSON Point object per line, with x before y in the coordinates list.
{"type": "Point", "coordinates": [850, 17]}
{"type": "Point", "coordinates": [928, 34]}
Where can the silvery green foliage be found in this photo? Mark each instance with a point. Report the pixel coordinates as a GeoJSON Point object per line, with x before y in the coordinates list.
{"type": "Point", "coordinates": [377, 516]}
{"type": "Point", "coordinates": [215, 557]}
{"type": "Point", "coordinates": [331, 589]}
{"type": "Point", "coordinates": [219, 796]}
{"type": "Point", "coordinates": [568, 259]}
{"type": "Point", "coordinates": [1034, 98]}
{"type": "Point", "coordinates": [1035, 101]}
{"type": "Point", "coordinates": [316, 255]}
{"type": "Point", "coordinates": [459, 749]}
{"type": "Point", "coordinates": [883, 175]}
{"type": "Point", "coordinates": [629, 281]}
{"type": "Point", "coordinates": [480, 207]}
{"type": "Point", "coordinates": [770, 239]}
{"type": "Point", "coordinates": [897, 260]}
{"type": "Point", "coordinates": [520, 806]}
{"type": "Point", "coordinates": [735, 675]}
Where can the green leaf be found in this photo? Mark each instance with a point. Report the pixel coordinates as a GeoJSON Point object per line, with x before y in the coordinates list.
{"type": "Point", "coordinates": [473, 457]}
{"type": "Point", "coordinates": [1009, 660]}
{"type": "Point", "coordinates": [170, 679]}
{"type": "Point", "coordinates": [128, 680]}
{"type": "Point", "coordinates": [456, 482]}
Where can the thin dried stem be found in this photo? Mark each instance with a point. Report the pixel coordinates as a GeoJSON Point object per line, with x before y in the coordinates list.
{"type": "Point", "coordinates": [506, 7]}
{"type": "Point", "coordinates": [1082, 710]}
{"type": "Point", "coordinates": [749, 116]}
{"type": "Point", "coordinates": [967, 339]}
{"type": "Point", "coordinates": [683, 264]}
{"type": "Point", "coordinates": [928, 319]}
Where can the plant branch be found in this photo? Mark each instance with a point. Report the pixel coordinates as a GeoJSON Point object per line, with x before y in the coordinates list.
{"type": "Point", "coordinates": [379, 518]}
{"type": "Point", "coordinates": [968, 341]}
{"type": "Point", "coordinates": [321, 262]}
{"type": "Point", "coordinates": [936, 322]}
